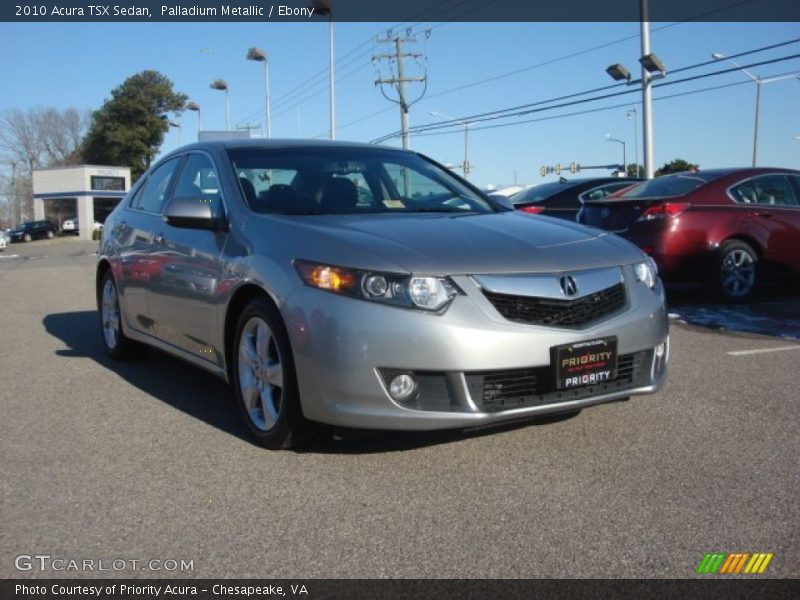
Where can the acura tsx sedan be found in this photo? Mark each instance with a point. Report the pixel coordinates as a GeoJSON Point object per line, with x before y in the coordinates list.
{"type": "Point", "coordinates": [359, 286]}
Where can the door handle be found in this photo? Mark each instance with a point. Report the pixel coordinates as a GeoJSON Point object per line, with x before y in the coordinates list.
{"type": "Point", "coordinates": [763, 215]}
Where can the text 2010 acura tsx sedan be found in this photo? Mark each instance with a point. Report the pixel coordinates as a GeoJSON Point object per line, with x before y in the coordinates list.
{"type": "Point", "coordinates": [369, 287]}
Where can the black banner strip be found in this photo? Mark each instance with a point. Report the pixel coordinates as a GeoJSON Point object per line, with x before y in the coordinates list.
{"type": "Point", "coordinates": [407, 11]}
{"type": "Point", "coordinates": [733, 588]}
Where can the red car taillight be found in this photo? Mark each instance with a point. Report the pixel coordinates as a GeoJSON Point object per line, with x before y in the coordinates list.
{"type": "Point", "coordinates": [534, 210]}
{"type": "Point", "coordinates": [663, 211]}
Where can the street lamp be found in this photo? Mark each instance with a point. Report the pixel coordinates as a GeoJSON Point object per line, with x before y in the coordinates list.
{"type": "Point", "coordinates": [222, 85]}
{"type": "Point", "coordinates": [195, 107]}
{"type": "Point", "coordinates": [178, 127]}
{"type": "Point", "coordinates": [324, 8]}
{"type": "Point", "coordinates": [624, 150]}
{"type": "Point", "coordinates": [466, 124]}
{"type": "Point", "coordinates": [260, 56]}
{"type": "Point", "coordinates": [759, 82]}
{"type": "Point", "coordinates": [635, 139]}
{"type": "Point", "coordinates": [652, 67]}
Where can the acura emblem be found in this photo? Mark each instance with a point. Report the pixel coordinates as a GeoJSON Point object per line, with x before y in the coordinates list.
{"type": "Point", "coordinates": [568, 285]}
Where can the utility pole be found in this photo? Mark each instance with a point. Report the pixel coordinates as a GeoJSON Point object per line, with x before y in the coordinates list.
{"type": "Point", "coordinates": [400, 80]}
{"type": "Point", "coordinates": [647, 94]}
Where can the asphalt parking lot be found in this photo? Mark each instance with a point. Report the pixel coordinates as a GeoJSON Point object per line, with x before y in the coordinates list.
{"type": "Point", "coordinates": [148, 460]}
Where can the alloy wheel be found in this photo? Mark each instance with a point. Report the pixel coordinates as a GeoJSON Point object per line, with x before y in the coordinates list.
{"type": "Point", "coordinates": [260, 373]}
{"type": "Point", "coordinates": [738, 273]}
{"type": "Point", "coordinates": [110, 314]}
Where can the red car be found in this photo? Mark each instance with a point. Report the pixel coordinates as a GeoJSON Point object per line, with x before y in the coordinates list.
{"type": "Point", "coordinates": [728, 228]}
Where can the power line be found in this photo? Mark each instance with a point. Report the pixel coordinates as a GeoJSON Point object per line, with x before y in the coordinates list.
{"type": "Point", "coordinates": [594, 110]}
{"type": "Point", "coordinates": [531, 107]}
{"type": "Point", "coordinates": [610, 86]}
{"type": "Point", "coordinates": [577, 53]}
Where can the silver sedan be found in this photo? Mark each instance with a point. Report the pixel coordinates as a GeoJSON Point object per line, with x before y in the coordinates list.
{"type": "Point", "coordinates": [369, 287]}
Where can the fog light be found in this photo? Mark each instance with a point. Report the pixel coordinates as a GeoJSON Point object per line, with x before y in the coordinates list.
{"type": "Point", "coordinates": [402, 387]}
{"type": "Point", "coordinates": [660, 358]}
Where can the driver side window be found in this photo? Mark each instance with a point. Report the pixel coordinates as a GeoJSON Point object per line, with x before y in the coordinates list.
{"type": "Point", "coordinates": [198, 181]}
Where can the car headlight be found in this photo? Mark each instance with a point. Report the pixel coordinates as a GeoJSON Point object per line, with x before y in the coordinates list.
{"type": "Point", "coordinates": [647, 272]}
{"type": "Point", "coordinates": [410, 291]}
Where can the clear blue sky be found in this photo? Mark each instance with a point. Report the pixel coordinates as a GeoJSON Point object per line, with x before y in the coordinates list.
{"type": "Point", "coordinates": [77, 65]}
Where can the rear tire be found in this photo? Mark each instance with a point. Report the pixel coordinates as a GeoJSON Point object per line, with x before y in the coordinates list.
{"type": "Point", "coordinates": [736, 271]}
{"type": "Point", "coordinates": [50, 235]}
{"type": "Point", "coordinates": [264, 379]}
{"type": "Point", "coordinates": [117, 345]}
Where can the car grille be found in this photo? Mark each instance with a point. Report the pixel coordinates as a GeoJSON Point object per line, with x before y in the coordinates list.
{"type": "Point", "coordinates": [494, 391]}
{"type": "Point", "coordinates": [551, 311]}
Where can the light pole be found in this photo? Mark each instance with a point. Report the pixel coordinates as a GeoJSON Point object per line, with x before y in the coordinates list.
{"type": "Point", "coordinates": [652, 67]}
{"type": "Point", "coordinates": [465, 164]}
{"type": "Point", "coordinates": [759, 82]}
{"type": "Point", "coordinates": [221, 84]}
{"type": "Point", "coordinates": [195, 107]}
{"type": "Point", "coordinates": [178, 127]}
{"type": "Point", "coordinates": [624, 151]}
{"type": "Point", "coordinates": [260, 56]}
{"type": "Point", "coordinates": [635, 139]}
{"type": "Point", "coordinates": [324, 8]}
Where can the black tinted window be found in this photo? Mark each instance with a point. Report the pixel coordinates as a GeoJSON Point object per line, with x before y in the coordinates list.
{"type": "Point", "coordinates": [665, 186]}
{"type": "Point", "coordinates": [152, 197]}
{"type": "Point", "coordinates": [541, 192]}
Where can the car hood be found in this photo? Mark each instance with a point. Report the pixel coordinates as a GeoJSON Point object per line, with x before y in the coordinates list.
{"type": "Point", "coordinates": [15, 231]}
{"type": "Point", "coordinates": [447, 244]}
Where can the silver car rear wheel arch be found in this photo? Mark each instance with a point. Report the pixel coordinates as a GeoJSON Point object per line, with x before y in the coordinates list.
{"type": "Point", "coordinates": [260, 373]}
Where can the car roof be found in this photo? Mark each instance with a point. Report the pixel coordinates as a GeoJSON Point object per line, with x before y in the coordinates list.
{"type": "Point", "coordinates": [279, 144]}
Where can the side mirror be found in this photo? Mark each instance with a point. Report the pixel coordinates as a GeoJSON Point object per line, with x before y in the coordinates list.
{"type": "Point", "coordinates": [501, 201]}
{"type": "Point", "coordinates": [193, 213]}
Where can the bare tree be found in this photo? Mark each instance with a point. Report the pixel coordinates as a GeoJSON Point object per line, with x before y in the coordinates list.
{"type": "Point", "coordinates": [38, 137]}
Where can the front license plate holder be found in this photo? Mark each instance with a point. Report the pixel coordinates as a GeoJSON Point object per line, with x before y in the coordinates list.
{"type": "Point", "coordinates": [584, 363]}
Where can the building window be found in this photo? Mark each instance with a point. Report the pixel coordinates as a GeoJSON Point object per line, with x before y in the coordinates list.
{"type": "Point", "coordinates": [108, 184]}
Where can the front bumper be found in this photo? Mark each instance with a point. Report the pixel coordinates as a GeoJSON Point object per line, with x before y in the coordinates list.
{"type": "Point", "coordinates": [344, 347]}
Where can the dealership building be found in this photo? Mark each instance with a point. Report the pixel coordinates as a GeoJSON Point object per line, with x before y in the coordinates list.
{"type": "Point", "coordinates": [86, 192]}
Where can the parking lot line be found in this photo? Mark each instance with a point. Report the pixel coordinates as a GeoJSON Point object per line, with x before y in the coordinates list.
{"type": "Point", "coordinates": [762, 350]}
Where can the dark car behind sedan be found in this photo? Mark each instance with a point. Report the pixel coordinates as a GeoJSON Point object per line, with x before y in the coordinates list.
{"type": "Point", "coordinates": [727, 228]}
{"type": "Point", "coordinates": [32, 230]}
{"type": "Point", "coordinates": [563, 198]}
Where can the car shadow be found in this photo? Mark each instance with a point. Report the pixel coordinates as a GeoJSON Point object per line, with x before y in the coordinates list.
{"type": "Point", "coordinates": [774, 311]}
{"type": "Point", "coordinates": [204, 396]}
{"type": "Point", "coordinates": [184, 387]}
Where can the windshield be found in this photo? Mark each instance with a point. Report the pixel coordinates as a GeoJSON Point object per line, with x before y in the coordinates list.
{"type": "Point", "coordinates": [667, 185]}
{"type": "Point", "coordinates": [345, 180]}
{"type": "Point", "coordinates": [541, 192]}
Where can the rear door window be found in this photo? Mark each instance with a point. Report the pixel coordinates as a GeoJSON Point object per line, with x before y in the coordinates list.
{"type": "Point", "coordinates": [769, 190]}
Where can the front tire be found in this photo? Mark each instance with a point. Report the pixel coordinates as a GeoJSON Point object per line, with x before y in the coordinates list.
{"type": "Point", "coordinates": [264, 378]}
{"type": "Point", "coordinates": [27, 237]}
{"type": "Point", "coordinates": [736, 271]}
{"type": "Point", "coordinates": [117, 345]}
